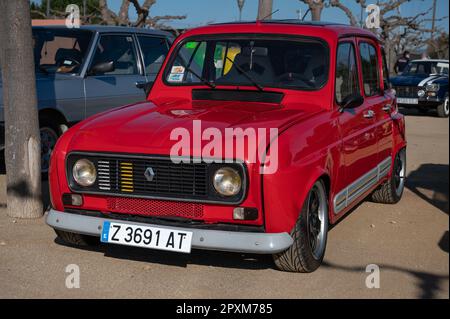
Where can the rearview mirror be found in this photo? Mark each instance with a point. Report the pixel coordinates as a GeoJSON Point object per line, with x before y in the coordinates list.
{"type": "Point", "coordinates": [102, 68]}
{"type": "Point", "coordinates": [352, 101]}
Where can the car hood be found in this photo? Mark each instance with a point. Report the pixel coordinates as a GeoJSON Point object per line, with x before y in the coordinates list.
{"type": "Point", "coordinates": [411, 80]}
{"type": "Point", "coordinates": [146, 128]}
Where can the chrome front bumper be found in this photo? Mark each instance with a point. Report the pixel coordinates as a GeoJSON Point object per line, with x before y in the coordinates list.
{"type": "Point", "coordinates": [244, 242]}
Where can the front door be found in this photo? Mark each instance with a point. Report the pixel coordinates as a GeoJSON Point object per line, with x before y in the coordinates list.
{"type": "Point", "coordinates": [117, 87]}
{"type": "Point", "coordinates": [357, 125]}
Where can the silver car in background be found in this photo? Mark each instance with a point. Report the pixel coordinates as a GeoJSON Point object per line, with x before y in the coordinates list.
{"type": "Point", "coordinates": [81, 72]}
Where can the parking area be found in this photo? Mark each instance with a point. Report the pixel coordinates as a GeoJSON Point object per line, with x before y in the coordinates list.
{"type": "Point", "coordinates": [409, 242]}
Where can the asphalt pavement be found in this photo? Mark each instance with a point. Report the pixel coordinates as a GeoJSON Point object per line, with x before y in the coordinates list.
{"type": "Point", "coordinates": [408, 242]}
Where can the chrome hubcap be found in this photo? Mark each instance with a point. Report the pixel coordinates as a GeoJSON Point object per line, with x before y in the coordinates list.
{"type": "Point", "coordinates": [317, 220]}
{"type": "Point", "coordinates": [446, 107]}
{"type": "Point", "coordinates": [400, 172]}
{"type": "Point", "coordinates": [48, 142]}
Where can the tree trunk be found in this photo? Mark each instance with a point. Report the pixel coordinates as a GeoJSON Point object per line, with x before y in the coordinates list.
{"type": "Point", "coordinates": [22, 141]}
{"type": "Point", "coordinates": [265, 9]}
{"type": "Point", "coordinates": [316, 11]}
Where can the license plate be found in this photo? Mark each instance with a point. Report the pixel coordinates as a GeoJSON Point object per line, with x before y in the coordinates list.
{"type": "Point", "coordinates": [402, 100]}
{"type": "Point", "coordinates": [148, 237]}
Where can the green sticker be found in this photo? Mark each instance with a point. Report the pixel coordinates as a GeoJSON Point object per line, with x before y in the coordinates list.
{"type": "Point", "coordinates": [191, 45]}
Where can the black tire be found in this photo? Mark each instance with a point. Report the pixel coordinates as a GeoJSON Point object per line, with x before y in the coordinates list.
{"type": "Point", "coordinates": [52, 130]}
{"type": "Point", "coordinates": [391, 191]}
{"type": "Point", "coordinates": [77, 239]}
{"type": "Point", "coordinates": [443, 109]}
{"type": "Point", "coordinates": [300, 257]}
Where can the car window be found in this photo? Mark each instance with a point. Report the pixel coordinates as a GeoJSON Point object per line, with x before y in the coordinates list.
{"type": "Point", "coordinates": [371, 76]}
{"type": "Point", "coordinates": [154, 51]}
{"type": "Point", "coordinates": [189, 64]}
{"type": "Point", "coordinates": [271, 62]}
{"type": "Point", "coordinates": [118, 49]}
{"type": "Point", "coordinates": [60, 51]}
{"type": "Point", "coordinates": [347, 80]}
{"type": "Point", "coordinates": [385, 71]}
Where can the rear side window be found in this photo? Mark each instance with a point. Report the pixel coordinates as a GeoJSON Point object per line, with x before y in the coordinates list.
{"type": "Point", "coordinates": [371, 76]}
{"type": "Point", "coordinates": [347, 81]}
{"type": "Point", "coordinates": [154, 51]}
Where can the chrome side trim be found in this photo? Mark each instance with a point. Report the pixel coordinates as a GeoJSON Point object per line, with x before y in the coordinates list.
{"type": "Point", "coordinates": [353, 191]}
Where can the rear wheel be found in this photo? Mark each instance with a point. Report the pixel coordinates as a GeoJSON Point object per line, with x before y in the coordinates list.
{"type": "Point", "coordinates": [443, 109]}
{"type": "Point", "coordinates": [77, 239]}
{"type": "Point", "coordinates": [310, 234]}
{"type": "Point", "coordinates": [391, 191]}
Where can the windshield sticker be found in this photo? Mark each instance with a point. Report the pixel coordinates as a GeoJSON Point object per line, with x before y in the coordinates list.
{"type": "Point", "coordinates": [176, 77]}
{"type": "Point", "coordinates": [442, 65]}
{"type": "Point", "coordinates": [177, 70]}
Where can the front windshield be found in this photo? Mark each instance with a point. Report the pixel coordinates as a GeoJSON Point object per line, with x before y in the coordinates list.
{"type": "Point", "coordinates": [60, 51]}
{"type": "Point", "coordinates": [425, 68]}
{"type": "Point", "coordinates": [293, 64]}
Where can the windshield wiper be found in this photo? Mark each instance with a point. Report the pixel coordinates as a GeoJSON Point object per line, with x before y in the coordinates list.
{"type": "Point", "coordinates": [256, 84]}
{"type": "Point", "coordinates": [212, 85]}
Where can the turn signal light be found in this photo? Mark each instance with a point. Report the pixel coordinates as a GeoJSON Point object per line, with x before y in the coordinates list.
{"type": "Point", "coordinates": [72, 199]}
{"type": "Point", "coordinates": [243, 213]}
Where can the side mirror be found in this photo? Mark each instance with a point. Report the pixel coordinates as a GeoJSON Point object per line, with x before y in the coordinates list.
{"type": "Point", "coordinates": [146, 86]}
{"type": "Point", "coordinates": [102, 68]}
{"type": "Point", "coordinates": [351, 102]}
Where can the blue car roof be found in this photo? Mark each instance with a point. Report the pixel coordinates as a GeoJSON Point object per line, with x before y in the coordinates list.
{"type": "Point", "coordinates": [109, 29]}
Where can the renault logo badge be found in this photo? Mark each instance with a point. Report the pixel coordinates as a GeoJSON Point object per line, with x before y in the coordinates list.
{"type": "Point", "coordinates": [149, 174]}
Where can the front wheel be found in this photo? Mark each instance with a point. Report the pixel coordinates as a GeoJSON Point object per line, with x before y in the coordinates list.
{"type": "Point", "coordinates": [443, 109]}
{"type": "Point", "coordinates": [310, 234]}
{"type": "Point", "coordinates": [50, 133]}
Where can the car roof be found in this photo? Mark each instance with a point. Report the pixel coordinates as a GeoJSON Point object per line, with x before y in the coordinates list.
{"type": "Point", "coordinates": [287, 26]}
{"type": "Point", "coordinates": [430, 60]}
{"type": "Point", "coordinates": [109, 29]}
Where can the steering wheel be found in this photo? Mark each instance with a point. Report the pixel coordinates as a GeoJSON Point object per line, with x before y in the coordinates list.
{"type": "Point", "coordinates": [288, 76]}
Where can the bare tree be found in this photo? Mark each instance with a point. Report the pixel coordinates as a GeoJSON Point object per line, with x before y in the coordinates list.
{"type": "Point", "coordinates": [265, 9]}
{"type": "Point", "coordinates": [397, 32]}
{"type": "Point", "coordinates": [144, 19]}
{"type": "Point", "coordinates": [316, 7]}
{"type": "Point", "coordinates": [22, 141]}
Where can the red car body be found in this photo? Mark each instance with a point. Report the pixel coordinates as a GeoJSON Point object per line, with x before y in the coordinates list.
{"type": "Point", "coordinates": [316, 141]}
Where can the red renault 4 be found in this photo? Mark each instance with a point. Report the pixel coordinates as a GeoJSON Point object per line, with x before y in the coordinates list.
{"type": "Point", "coordinates": [254, 138]}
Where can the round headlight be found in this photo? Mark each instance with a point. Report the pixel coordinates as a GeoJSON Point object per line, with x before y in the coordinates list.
{"type": "Point", "coordinates": [227, 181]}
{"type": "Point", "coordinates": [84, 172]}
{"type": "Point", "coordinates": [421, 93]}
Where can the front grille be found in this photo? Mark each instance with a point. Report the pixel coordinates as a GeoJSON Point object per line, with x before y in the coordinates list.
{"type": "Point", "coordinates": [153, 177]}
{"type": "Point", "coordinates": [128, 176]}
{"type": "Point", "coordinates": [407, 91]}
{"type": "Point", "coordinates": [151, 207]}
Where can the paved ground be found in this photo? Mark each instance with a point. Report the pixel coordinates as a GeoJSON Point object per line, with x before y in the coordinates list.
{"type": "Point", "coordinates": [409, 242]}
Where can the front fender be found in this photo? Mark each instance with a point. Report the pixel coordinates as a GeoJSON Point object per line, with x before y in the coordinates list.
{"type": "Point", "coordinates": [306, 153]}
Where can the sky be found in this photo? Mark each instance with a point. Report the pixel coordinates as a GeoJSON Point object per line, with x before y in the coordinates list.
{"type": "Point", "coordinates": [200, 12]}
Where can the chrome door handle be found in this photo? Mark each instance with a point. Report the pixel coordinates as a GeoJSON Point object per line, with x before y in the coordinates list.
{"type": "Point", "coordinates": [387, 108]}
{"type": "Point", "coordinates": [369, 115]}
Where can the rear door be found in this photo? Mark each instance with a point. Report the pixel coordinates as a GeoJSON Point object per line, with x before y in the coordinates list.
{"type": "Point", "coordinates": [383, 113]}
{"type": "Point", "coordinates": [116, 88]}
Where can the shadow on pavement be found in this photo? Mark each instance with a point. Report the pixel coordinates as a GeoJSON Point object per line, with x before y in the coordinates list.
{"type": "Point", "coordinates": [431, 178]}
{"type": "Point", "coordinates": [417, 113]}
{"type": "Point", "coordinates": [197, 257]}
{"type": "Point", "coordinates": [426, 282]}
